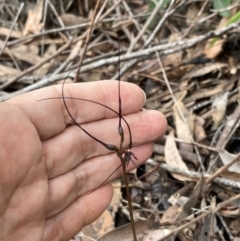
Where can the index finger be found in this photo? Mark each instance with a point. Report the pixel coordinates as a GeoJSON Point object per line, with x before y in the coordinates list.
{"type": "Point", "coordinates": [50, 117]}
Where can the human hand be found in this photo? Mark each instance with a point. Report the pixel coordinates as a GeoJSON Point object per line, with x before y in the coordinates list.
{"type": "Point", "coordinates": [48, 165]}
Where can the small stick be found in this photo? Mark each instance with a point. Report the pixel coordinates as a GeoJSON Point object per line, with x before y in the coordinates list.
{"type": "Point", "coordinates": [219, 206]}
{"type": "Point", "coordinates": [87, 41]}
{"type": "Point", "coordinates": [196, 19]}
{"type": "Point", "coordinates": [36, 66]}
{"type": "Point", "coordinates": [13, 24]}
{"type": "Point", "coordinates": [195, 176]}
{"type": "Point", "coordinates": [222, 169]}
{"type": "Point", "coordinates": [179, 110]}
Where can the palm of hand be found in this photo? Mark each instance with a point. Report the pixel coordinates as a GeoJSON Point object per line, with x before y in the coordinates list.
{"type": "Point", "coordinates": [47, 165]}
{"type": "Point", "coordinates": [24, 181]}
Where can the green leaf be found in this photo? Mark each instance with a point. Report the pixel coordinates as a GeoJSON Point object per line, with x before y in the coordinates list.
{"type": "Point", "coordinates": [165, 3]}
{"type": "Point", "coordinates": [220, 4]}
{"type": "Point", "coordinates": [152, 5]}
{"type": "Point", "coordinates": [234, 19]}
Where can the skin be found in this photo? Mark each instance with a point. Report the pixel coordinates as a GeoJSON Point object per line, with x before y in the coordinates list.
{"type": "Point", "coordinates": [48, 166]}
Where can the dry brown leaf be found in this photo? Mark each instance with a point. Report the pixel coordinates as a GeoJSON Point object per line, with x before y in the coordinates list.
{"type": "Point", "coordinates": [6, 32]}
{"type": "Point", "coordinates": [117, 195]}
{"type": "Point", "coordinates": [26, 53]}
{"type": "Point", "coordinates": [173, 158]}
{"type": "Point", "coordinates": [205, 234]}
{"type": "Point", "coordinates": [71, 19]}
{"type": "Point", "coordinates": [180, 71]}
{"type": "Point", "coordinates": [197, 192]}
{"type": "Point", "coordinates": [29, 48]}
{"type": "Point", "coordinates": [94, 75]}
{"type": "Point", "coordinates": [198, 131]}
{"type": "Point", "coordinates": [232, 213]}
{"type": "Point", "coordinates": [214, 46]}
{"type": "Point", "coordinates": [207, 221]}
{"type": "Point", "coordinates": [52, 48]}
{"type": "Point", "coordinates": [231, 175]}
{"type": "Point", "coordinates": [47, 41]}
{"type": "Point", "coordinates": [6, 72]}
{"type": "Point", "coordinates": [232, 65]}
{"type": "Point", "coordinates": [177, 200]}
{"type": "Point", "coordinates": [155, 235]}
{"type": "Point", "coordinates": [101, 226]}
{"type": "Point", "coordinates": [75, 51]}
{"type": "Point", "coordinates": [183, 129]}
{"type": "Point", "coordinates": [212, 50]}
{"type": "Point", "coordinates": [223, 195]}
{"type": "Point", "coordinates": [219, 106]}
{"type": "Point", "coordinates": [170, 214]}
{"type": "Point", "coordinates": [183, 87]}
{"type": "Point", "coordinates": [33, 24]}
{"type": "Point", "coordinates": [226, 157]}
{"type": "Point", "coordinates": [191, 14]}
{"type": "Point", "coordinates": [206, 69]}
{"type": "Point", "coordinates": [105, 223]}
{"type": "Point", "coordinates": [234, 227]}
{"type": "Point", "coordinates": [124, 233]}
{"type": "Point", "coordinates": [223, 86]}
{"type": "Point", "coordinates": [176, 58]}
{"type": "Point", "coordinates": [45, 68]}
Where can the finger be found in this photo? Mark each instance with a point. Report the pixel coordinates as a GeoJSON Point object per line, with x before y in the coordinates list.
{"type": "Point", "coordinates": [80, 213]}
{"type": "Point", "coordinates": [68, 149]}
{"type": "Point", "coordinates": [88, 176]}
{"type": "Point", "coordinates": [50, 117]}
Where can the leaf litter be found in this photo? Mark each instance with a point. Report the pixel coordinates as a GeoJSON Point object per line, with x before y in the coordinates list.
{"type": "Point", "coordinates": [197, 87]}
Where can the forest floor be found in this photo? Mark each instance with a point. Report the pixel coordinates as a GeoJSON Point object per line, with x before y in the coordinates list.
{"type": "Point", "coordinates": [185, 56]}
